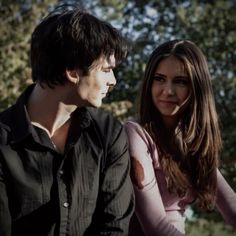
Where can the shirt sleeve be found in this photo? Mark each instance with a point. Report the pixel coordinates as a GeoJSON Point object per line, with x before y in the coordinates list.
{"type": "Point", "coordinates": [5, 218]}
{"type": "Point", "coordinates": [115, 204]}
{"type": "Point", "coordinates": [149, 205]}
{"type": "Point", "coordinates": [226, 200]}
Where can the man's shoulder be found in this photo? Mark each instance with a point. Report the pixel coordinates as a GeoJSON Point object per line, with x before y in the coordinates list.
{"type": "Point", "coordinates": [6, 114]}
{"type": "Point", "coordinates": [4, 133]}
{"type": "Point", "coordinates": [6, 117]}
{"type": "Point", "coordinates": [105, 122]}
{"type": "Point", "coordinates": [103, 118]}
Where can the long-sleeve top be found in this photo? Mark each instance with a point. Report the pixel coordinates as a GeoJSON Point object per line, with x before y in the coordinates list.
{"type": "Point", "coordinates": [86, 191]}
{"type": "Point", "coordinates": [160, 212]}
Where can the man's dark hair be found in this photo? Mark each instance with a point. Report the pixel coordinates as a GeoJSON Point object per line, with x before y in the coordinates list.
{"type": "Point", "coordinates": [72, 39]}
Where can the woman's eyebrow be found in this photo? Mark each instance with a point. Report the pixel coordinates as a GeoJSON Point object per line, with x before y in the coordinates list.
{"type": "Point", "coordinates": [181, 77]}
{"type": "Point", "coordinates": [159, 74]}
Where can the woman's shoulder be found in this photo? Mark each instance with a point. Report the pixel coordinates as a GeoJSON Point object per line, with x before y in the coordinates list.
{"type": "Point", "coordinates": [141, 140]}
{"type": "Point", "coordinates": [133, 127]}
{"type": "Point", "coordinates": [132, 124]}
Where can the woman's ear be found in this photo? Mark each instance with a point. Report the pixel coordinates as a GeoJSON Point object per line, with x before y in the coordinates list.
{"type": "Point", "coordinates": [72, 76]}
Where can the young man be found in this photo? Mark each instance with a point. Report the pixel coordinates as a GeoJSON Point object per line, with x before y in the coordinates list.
{"type": "Point", "coordinates": [64, 166]}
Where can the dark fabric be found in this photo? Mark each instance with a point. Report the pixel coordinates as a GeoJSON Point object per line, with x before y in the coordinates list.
{"type": "Point", "coordinates": [87, 191]}
{"type": "Point", "coordinates": [135, 228]}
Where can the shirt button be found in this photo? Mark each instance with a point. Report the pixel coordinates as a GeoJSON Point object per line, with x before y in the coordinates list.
{"type": "Point", "coordinates": [66, 204]}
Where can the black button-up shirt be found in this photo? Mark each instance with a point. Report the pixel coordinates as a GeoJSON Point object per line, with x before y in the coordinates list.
{"type": "Point", "coordinates": [86, 191]}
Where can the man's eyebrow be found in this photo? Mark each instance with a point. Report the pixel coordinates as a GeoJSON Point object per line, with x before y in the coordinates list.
{"type": "Point", "coordinates": [108, 67]}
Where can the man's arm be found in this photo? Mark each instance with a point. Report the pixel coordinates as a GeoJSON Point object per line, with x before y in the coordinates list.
{"type": "Point", "coordinates": [115, 203]}
{"type": "Point", "coordinates": [5, 217]}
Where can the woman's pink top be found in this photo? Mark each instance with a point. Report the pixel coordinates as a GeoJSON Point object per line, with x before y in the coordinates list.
{"type": "Point", "coordinates": [161, 212]}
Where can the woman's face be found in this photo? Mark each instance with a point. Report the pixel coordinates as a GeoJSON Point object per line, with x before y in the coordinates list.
{"type": "Point", "coordinates": [171, 89]}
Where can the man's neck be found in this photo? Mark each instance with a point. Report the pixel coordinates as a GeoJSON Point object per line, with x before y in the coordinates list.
{"type": "Point", "coordinates": [47, 108]}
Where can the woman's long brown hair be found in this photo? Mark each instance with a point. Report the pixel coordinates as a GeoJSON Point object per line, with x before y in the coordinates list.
{"type": "Point", "coordinates": [189, 159]}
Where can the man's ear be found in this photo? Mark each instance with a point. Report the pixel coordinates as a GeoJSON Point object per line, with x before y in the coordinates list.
{"type": "Point", "coordinates": [72, 76]}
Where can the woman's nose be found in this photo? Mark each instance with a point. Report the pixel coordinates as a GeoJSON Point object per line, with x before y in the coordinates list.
{"type": "Point", "coordinates": [169, 89]}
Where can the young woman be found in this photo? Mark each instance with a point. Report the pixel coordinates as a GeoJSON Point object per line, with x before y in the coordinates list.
{"type": "Point", "coordinates": [176, 142]}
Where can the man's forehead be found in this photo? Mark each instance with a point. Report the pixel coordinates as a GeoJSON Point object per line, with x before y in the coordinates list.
{"type": "Point", "coordinates": [111, 60]}
{"type": "Point", "coordinates": [107, 61]}
{"type": "Point", "coordinates": [104, 62]}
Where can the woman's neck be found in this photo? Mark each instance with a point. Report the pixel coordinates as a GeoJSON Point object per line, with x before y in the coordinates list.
{"type": "Point", "coordinates": [170, 124]}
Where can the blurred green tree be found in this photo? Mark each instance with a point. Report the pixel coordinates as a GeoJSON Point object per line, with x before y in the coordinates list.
{"type": "Point", "coordinates": [17, 20]}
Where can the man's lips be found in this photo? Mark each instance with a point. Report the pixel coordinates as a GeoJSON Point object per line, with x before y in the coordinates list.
{"type": "Point", "coordinates": [104, 94]}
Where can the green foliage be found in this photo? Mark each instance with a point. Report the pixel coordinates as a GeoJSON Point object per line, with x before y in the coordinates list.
{"type": "Point", "coordinates": [17, 20]}
{"type": "Point", "coordinates": [205, 227]}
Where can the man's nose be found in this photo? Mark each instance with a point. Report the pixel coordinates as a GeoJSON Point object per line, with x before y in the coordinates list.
{"type": "Point", "coordinates": [111, 81]}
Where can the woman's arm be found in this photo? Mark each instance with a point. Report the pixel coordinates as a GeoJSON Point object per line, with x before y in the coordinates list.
{"type": "Point", "coordinates": [149, 205]}
{"type": "Point", "coordinates": [226, 200]}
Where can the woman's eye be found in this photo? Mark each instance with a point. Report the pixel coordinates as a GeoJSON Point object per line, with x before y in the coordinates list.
{"type": "Point", "coordinates": [158, 78]}
{"type": "Point", "coordinates": [183, 82]}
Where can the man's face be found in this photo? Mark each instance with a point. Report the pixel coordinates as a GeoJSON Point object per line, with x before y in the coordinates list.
{"type": "Point", "coordinates": [94, 86]}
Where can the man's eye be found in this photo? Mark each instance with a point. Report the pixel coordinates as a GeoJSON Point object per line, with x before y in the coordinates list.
{"type": "Point", "coordinates": [106, 70]}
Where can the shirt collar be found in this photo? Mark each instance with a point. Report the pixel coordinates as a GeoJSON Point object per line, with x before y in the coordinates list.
{"type": "Point", "coordinates": [82, 116]}
{"type": "Point", "coordinates": [19, 120]}
{"type": "Point", "coordinates": [21, 124]}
